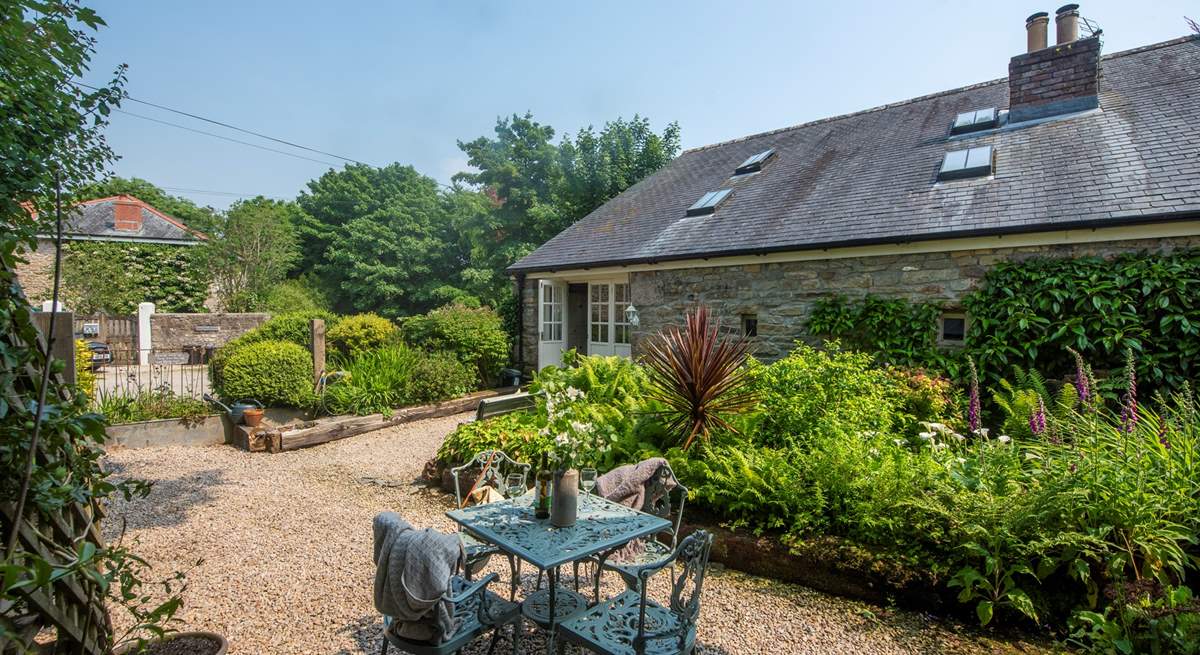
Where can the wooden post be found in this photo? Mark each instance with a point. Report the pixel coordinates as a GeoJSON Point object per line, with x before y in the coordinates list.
{"type": "Point", "coordinates": [63, 347]}
{"type": "Point", "coordinates": [316, 331]}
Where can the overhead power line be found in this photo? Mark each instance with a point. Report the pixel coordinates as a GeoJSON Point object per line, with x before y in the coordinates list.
{"type": "Point", "coordinates": [225, 138]}
{"type": "Point", "coordinates": [227, 125]}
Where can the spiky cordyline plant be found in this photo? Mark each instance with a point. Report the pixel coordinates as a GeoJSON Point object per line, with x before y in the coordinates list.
{"type": "Point", "coordinates": [698, 375]}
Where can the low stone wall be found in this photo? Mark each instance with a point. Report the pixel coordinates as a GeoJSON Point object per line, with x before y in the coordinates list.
{"type": "Point", "coordinates": [174, 332]}
{"type": "Point", "coordinates": [207, 431]}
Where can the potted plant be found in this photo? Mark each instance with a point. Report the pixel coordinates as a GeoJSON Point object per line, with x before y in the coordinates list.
{"type": "Point", "coordinates": [178, 643]}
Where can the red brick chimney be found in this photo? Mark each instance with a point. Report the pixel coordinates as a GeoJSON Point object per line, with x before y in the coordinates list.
{"type": "Point", "coordinates": [127, 214]}
{"type": "Point", "coordinates": [1060, 79]}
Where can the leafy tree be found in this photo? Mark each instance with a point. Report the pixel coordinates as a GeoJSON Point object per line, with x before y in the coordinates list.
{"type": "Point", "coordinates": [537, 189]}
{"type": "Point", "coordinates": [383, 238]}
{"type": "Point", "coordinates": [203, 219]}
{"type": "Point", "coordinates": [252, 249]}
{"type": "Point", "coordinates": [51, 447]}
{"type": "Point", "coordinates": [597, 167]}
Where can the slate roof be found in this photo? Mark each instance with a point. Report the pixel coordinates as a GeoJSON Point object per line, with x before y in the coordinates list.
{"type": "Point", "coordinates": [94, 219]}
{"type": "Point", "coordinates": [870, 177]}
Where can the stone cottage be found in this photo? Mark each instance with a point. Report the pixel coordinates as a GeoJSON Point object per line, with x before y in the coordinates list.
{"type": "Point", "coordinates": [1074, 153]}
{"type": "Point", "coordinates": [121, 218]}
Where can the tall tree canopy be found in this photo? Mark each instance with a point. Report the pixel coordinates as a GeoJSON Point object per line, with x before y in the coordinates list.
{"type": "Point", "coordinates": [537, 189]}
{"type": "Point", "coordinates": [382, 239]}
{"type": "Point", "coordinates": [250, 250]}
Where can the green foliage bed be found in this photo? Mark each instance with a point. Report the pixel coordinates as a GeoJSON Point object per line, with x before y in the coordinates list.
{"type": "Point", "coordinates": [1083, 525]}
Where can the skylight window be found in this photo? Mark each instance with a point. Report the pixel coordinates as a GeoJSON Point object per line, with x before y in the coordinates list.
{"type": "Point", "coordinates": [973, 121]}
{"type": "Point", "coordinates": [971, 162]}
{"type": "Point", "coordinates": [755, 163]}
{"type": "Point", "coordinates": [707, 203]}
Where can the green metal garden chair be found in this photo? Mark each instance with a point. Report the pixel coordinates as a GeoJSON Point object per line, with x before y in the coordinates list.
{"type": "Point", "coordinates": [632, 624]}
{"type": "Point", "coordinates": [488, 467]}
{"type": "Point", "coordinates": [662, 500]}
{"type": "Point", "coordinates": [476, 610]}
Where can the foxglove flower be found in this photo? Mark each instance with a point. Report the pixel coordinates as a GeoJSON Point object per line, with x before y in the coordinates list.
{"type": "Point", "coordinates": [1162, 434]}
{"type": "Point", "coordinates": [1037, 422]}
{"type": "Point", "coordinates": [973, 406]}
{"type": "Point", "coordinates": [1129, 408]}
{"type": "Point", "coordinates": [1083, 387]}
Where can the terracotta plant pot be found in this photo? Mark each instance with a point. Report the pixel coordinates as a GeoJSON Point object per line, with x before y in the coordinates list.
{"type": "Point", "coordinates": [252, 417]}
{"type": "Point", "coordinates": [154, 646]}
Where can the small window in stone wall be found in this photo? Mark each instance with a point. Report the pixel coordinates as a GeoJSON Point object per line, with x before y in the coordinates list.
{"type": "Point", "coordinates": [952, 329]}
{"type": "Point", "coordinates": [750, 325]}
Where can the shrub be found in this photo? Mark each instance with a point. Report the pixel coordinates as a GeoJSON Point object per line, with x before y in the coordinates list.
{"type": "Point", "coordinates": [85, 377]}
{"type": "Point", "coordinates": [697, 376]}
{"type": "Point", "coordinates": [475, 336]}
{"type": "Point", "coordinates": [811, 393]}
{"type": "Point", "coordinates": [438, 376]}
{"type": "Point", "coordinates": [272, 372]}
{"type": "Point", "coordinates": [394, 376]}
{"type": "Point", "coordinates": [292, 296]}
{"type": "Point", "coordinates": [294, 328]}
{"type": "Point", "coordinates": [516, 434]}
{"type": "Point", "coordinates": [356, 335]}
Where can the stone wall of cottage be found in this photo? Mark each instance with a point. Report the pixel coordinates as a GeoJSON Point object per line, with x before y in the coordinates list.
{"type": "Point", "coordinates": [36, 276]}
{"type": "Point", "coordinates": [781, 296]}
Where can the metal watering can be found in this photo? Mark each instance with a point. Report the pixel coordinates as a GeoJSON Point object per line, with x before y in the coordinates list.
{"type": "Point", "coordinates": [237, 410]}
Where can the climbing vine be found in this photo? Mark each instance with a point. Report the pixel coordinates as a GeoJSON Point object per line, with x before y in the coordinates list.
{"type": "Point", "coordinates": [114, 277]}
{"type": "Point", "coordinates": [1030, 313]}
{"type": "Point", "coordinates": [896, 330]}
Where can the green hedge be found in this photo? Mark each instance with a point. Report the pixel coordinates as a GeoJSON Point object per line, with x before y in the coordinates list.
{"type": "Point", "coordinates": [271, 372]}
{"type": "Point", "coordinates": [475, 336]}
{"type": "Point", "coordinates": [359, 334]}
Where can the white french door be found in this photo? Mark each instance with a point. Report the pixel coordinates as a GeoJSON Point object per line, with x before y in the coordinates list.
{"type": "Point", "coordinates": [608, 329]}
{"type": "Point", "coordinates": [552, 319]}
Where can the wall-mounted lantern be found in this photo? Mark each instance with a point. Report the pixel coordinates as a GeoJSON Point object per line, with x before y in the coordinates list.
{"type": "Point", "coordinates": [631, 316]}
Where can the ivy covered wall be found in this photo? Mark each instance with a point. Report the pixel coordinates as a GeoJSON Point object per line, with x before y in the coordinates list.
{"type": "Point", "coordinates": [113, 277]}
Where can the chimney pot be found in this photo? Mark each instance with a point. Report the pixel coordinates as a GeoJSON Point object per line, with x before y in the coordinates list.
{"type": "Point", "coordinates": [1035, 31]}
{"type": "Point", "coordinates": [1066, 20]}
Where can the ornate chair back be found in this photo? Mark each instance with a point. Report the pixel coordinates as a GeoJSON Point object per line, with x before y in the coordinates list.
{"type": "Point", "coordinates": [689, 564]}
{"type": "Point", "coordinates": [488, 467]}
{"type": "Point", "coordinates": [666, 501]}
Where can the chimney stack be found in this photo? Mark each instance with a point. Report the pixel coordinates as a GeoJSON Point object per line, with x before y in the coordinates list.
{"type": "Point", "coordinates": [1035, 31]}
{"type": "Point", "coordinates": [1066, 20]}
{"type": "Point", "coordinates": [1049, 81]}
{"type": "Point", "coordinates": [127, 214]}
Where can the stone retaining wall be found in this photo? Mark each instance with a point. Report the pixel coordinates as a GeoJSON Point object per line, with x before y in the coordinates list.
{"type": "Point", "coordinates": [173, 332]}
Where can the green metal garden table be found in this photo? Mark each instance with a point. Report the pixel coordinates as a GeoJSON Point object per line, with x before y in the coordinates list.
{"type": "Point", "coordinates": [601, 526]}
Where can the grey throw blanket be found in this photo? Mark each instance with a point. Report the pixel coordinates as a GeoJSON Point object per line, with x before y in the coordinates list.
{"type": "Point", "coordinates": [642, 486]}
{"type": "Point", "coordinates": [413, 572]}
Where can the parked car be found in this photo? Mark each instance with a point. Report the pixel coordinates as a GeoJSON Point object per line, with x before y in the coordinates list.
{"type": "Point", "coordinates": [101, 354]}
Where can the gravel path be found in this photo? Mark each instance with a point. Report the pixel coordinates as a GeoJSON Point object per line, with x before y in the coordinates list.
{"type": "Point", "coordinates": [286, 544]}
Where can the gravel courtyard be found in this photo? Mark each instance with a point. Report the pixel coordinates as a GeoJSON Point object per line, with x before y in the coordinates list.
{"type": "Point", "coordinates": [286, 544]}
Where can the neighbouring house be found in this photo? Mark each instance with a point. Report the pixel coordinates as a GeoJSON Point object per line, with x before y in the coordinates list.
{"type": "Point", "coordinates": [121, 219]}
{"type": "Point", "coordinates": [1074, 153]}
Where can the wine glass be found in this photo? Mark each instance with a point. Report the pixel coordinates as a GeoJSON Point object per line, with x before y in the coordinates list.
{"type": "Point", "coordinates": [587, 480]}
{"type": "Point", "coordinates": [514, 484]}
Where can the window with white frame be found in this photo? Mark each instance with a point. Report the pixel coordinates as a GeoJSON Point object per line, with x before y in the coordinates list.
{"type": "Point", "coordinates": [552, 312]}
{"type": "Point", "coordinates": [599, 308]}
{"type": "Point", "coordinates": [952, 329]}
{"type": "Point", "coordinates": [621, 326]}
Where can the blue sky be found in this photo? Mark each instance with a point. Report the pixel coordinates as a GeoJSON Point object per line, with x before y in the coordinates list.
{"type": "Point", "coordinates": [402, 81]}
